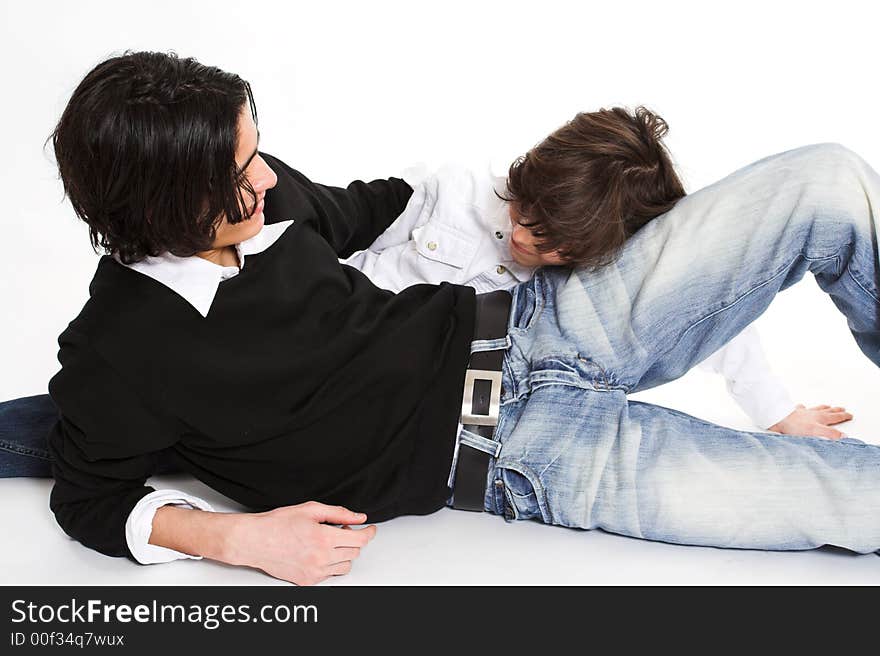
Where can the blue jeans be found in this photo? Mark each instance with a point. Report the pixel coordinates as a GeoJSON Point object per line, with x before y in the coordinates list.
{"type": "Point", "coordinates": [575, 452]}
{"type": "Point", "coordinates": [24, 427]}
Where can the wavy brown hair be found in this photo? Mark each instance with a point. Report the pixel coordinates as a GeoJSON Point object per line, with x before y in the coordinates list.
{"type": "Point", "coordinates": [594, 182]}
{"type": "Point", "coordinates": [146, 152]}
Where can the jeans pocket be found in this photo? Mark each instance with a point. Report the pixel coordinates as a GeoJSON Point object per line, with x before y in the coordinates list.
{"type": "Point", "coordinates": [520, 498]}
{"type": "Point", "coordinates": [528, 304]}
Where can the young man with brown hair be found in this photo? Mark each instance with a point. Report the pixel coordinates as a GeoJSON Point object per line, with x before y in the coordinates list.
{"type": "Point", "coordinates": [573, 200]}
{"type": "Point", "coordinates": [275, 374]}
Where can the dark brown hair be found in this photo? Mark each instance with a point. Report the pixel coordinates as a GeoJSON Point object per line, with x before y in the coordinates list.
{"type": "Point", "coordinates": [146, 152]}
{"type": "Point", "coordinates": [594, 182]}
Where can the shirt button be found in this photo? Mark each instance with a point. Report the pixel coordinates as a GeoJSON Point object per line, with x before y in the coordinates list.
{"type": "Point", "coordinates": [500, 269]}
{"type": "Point", "coordinates": [432, 245]}
{"type": "Point", "coordinates": [499, 235]}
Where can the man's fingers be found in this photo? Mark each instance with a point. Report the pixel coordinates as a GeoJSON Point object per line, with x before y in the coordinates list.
{"type": "Point", "coordinates": [830, 418]}
{"type": "Point", "coordinates": [339, 568]}
{"type": "Point", "coordinates": [341, 554]}
{"type": "Point", "coordinates": [333, 514]}
{"type": "Point", "coordinates": [824, 431]}
{"type": "Point", "coordinates": [340, 537]}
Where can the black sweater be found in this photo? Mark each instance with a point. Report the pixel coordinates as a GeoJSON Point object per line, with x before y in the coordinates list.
{"type": "Point", "coordinates": [304, 382]}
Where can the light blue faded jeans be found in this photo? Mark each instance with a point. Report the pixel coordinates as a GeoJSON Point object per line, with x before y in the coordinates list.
{"type": "Point", "coordinates": [575, 452]}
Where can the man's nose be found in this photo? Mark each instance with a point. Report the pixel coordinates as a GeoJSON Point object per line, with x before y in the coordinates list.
{"type": "Point", "coordinates": [266, 179]}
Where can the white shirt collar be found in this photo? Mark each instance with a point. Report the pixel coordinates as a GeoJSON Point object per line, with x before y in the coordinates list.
{"type": "Point", "coordinates": [196, 279]}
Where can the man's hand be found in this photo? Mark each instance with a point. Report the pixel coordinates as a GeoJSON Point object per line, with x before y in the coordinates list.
{"type": "Point", "coordinates": [296, 543]}
{"type": "Point", "coordinates": [813, 421]}
{"type": "Point", "coordinates": [292, 543]}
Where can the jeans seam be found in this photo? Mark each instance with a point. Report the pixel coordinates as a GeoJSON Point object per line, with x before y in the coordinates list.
{"type": "Point", "coordinates": [12, 448]}
{"type": "Point", "coordinates": [739, 298]}
{"type": "Point", "coordinates": [513, 394]}
{"type": "Point", "coordinates": [781, 271]}
{"type": "Point", "coordinates": [537, 311]}
{"type": "Point", "coordinates": [604, 373]}
{"type": "Point", "coordinates": [861, 286]}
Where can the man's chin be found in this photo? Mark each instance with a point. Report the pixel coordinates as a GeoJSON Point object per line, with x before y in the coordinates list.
{"type": "Point", "coordinates": [255, 222]}
{"type": "Point", "coordinates": [522, 259]}
{"type": "Point", "coordinates": [250, 227]}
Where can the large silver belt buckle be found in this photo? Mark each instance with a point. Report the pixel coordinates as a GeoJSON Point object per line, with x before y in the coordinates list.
{"type": "Point", "coordinates": [467, 404]}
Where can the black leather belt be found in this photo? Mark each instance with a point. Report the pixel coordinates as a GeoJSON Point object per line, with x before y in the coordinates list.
{"type": "Point", "coordinates": [482, 394]}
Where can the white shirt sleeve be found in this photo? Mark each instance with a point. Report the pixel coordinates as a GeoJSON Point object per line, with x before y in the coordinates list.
{"type": "Point", "coordinates": [378, 260]}
{"type": "Point", "coordinates": [416, 174]}
{"type": "Point", "coordinates": [750, 380]}
{"type": "Point", "coordinates": [139, 525]}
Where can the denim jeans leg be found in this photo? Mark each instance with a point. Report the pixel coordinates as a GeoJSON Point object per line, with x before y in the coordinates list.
{"type": "Point", "coordinates": [576, 452]}
{"type": "Point", "coordinates": [587, 458]}
{"type": "Point", "coordinates": [693, 278]}
{"type": "Point", "coordinates": [24, 426]}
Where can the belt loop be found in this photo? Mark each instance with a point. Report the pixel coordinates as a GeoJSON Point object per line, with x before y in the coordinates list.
{"type": "Point", "coordinates": [483, 345]}
{"type": "Point", "coordinates": [480, 443]}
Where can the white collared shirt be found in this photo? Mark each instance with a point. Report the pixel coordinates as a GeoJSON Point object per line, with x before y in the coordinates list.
{"type": "Point", "coordinates": [197, 279]}
{"type": "Point", "coordinates": [454, 229]}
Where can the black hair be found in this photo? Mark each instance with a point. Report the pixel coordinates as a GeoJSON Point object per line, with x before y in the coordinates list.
{"type": "Point", "coordinates": [146, 152]}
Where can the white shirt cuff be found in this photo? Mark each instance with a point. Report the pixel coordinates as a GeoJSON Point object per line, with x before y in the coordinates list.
{"type": "Point", "coordinates": [769, 405]}
{"type": "Point", "coordinates": [139, 525]}
{"type": "Point", "coordinates": [750, 380]}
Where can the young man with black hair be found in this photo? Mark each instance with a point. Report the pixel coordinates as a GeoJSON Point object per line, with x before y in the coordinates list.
{"type": "Point", "coordinates": [296, 378]}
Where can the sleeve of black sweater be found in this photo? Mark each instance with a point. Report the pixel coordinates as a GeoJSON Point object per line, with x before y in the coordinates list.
{"type": "Point", "coordinates": [103, 447]}
{"type": "Point", "coordinates": [349, 219]}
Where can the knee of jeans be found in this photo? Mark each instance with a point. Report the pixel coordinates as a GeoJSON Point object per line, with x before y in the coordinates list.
{"type": "Point", "coordinates": [833, 155]}
{"type": "Point", "coordinates": [832, 165]}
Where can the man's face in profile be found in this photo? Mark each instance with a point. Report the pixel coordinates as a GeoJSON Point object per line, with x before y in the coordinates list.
{"type": "Point", "coordinates": [523, 244]}
{"type": "Point", "coordinates": [258, 173]}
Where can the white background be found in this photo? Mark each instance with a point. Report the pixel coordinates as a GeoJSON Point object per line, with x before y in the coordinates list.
{"type": "Point", "coordinates": [363, 89]}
